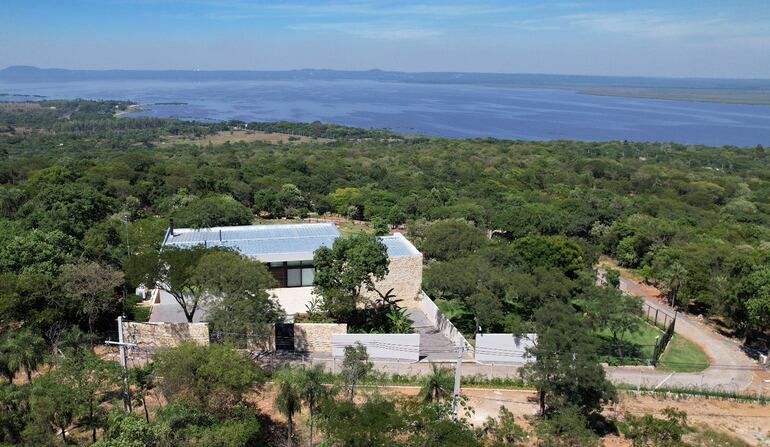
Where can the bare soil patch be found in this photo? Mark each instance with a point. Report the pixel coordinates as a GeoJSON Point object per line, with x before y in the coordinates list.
{"type": "Point", "coordinates": [247, 136]}
{"type": "Point", "coordinates": [19, 106]}
{"type": "Point", "coordinates": [748, 421]}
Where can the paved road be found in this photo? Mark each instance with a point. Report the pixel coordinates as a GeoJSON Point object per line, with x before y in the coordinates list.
{"type": "Point", "coordinates": [169, 311]}
{"type": "Point", "coordinates": [731, 369]}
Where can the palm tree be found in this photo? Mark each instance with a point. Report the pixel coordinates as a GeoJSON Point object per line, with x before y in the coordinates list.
{"type": "Point", "coordinates": [437, 385]}
{"type": "Point", "coordinates": [287, 399]}
{"type": "Point", "coordinates": [313, 392]}
{"type": "Point", "coordinates": [25, 350]}
{"type": "Point", "coordinates": [399, 321]}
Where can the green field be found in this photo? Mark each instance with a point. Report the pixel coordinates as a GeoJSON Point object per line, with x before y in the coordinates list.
{"type": "Point", "coordinates": [637, 346]}
{"type": "Point", "coordinates": [682, 355]}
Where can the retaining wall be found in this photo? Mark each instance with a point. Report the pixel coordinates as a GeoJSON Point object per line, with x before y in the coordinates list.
{"type": "Point", "coordinates": [316, 337]}
{"type": "Point", "coordinates": [503, 348]}
{"type": "Point", "coordinates": [380, 346]}
{"type": "Point", "coordinates": [163, 335]}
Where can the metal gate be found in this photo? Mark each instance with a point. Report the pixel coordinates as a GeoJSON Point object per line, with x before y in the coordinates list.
{"type": "Point", "coordinates": [284, 336]}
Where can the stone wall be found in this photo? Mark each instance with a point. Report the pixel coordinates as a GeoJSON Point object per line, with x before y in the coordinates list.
{"type": "Point", "coordinates": [162, 335]}
{"type": "Point", "coordinates": [404, 277]}
{"type": "Point", "coordinates": [316, 337]}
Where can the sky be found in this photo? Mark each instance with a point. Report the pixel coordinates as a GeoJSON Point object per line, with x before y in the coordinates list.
{"type": "Point", "coordinates": [678, 38]}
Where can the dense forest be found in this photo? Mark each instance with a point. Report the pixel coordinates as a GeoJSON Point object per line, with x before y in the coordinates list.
{"type": "Point", "coordinates": [511, 231]}
{"type": "Point", "coordinates": [693, 220]}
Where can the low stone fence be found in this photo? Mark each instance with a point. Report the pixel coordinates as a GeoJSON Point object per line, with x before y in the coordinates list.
{"type": "Point", "coordinates": [164, 335]}
{"type": "Point", "coordinates": [440, 321]}
{"type": "Point", "coordinates": [316, 337]}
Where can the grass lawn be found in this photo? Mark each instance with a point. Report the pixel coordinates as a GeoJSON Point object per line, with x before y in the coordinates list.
{"type": "Point", "coordinates": [637, 347]}
{"type": "Point", "coordinates": [682, 355]}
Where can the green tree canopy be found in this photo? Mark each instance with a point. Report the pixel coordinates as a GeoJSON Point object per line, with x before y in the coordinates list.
{"type": "Point", "coordinates": [71, 208]}
{"type": "Point", "coordinates": [566, 369]}
{"type": "Point", "coordinates": [351, 265]}
{"type": "Point", "coordinates": [241, 307]}
{"type": "Point", "coordinates": [448, 239]}
{"type": "Point", "coordinates": [213, 377]}
{"type": "Point", "coordinates": [213, 211]}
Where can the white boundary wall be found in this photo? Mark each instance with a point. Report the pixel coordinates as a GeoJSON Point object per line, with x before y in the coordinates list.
{"type": "Point", "coordinates": [504, 348]}
{"type": "Point", "coordinates": [380, 346]}
{"type": "Point", "coordinates": [441, 322]}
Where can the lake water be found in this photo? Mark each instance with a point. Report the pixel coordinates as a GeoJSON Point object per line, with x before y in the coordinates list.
{"type": "Point", "coordinates": [434, 109]}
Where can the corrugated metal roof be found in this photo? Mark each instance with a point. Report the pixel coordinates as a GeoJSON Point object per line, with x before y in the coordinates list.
{"type": "Point", "coordinates": [398, 245]}
{"type": "Point", "coordinates": [277, 243]}
{"type": "Point", "coordinates": [268, 243]}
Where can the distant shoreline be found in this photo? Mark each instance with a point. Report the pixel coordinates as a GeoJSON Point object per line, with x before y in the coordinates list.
{"type": "Point", "coordinates": [711, 90]}
{"type": "Point", "coordinates": [761, 98]}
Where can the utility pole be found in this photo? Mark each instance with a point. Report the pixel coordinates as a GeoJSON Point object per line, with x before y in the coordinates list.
{"type": "Point", "coordinates": [128, 244]}
{"type": "Point", "coordinates": [122, 346]}
{"type": "Point", "coordinates": [458, 376]}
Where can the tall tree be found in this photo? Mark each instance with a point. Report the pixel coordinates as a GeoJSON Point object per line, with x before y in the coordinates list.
{"type": "Point", "coordinates": [143, 380]}
{"type": "Point", "coordinates": [174, 270]}
{"type": "Point", "coordinates": [240, 304]}
{"type": "Point", "coordinates": [88, 378]}
{"type": "Point", "coordinates": [753, 296]}
{"type": "Point", "coordinates": [313, 391]}
{"type": "Point", "coordinates": [351, 265]}
{"type": "Point", "coordinates": [52, 404]}
{"type": "Point", "coordinates": [565, 367]}
{"type": "Point", "coordinates": [449, 239]}
{"type": "Point", "coordinates": [91, 287]}
{"type": "Point", "coordinates": [288, 398]}
{"type": "Point", "coordinates": [355, 367]}
{"type": "Point", "coordinates": [616, 312]}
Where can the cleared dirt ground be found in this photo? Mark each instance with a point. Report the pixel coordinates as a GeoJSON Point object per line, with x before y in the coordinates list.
{"type": "Point", "coordinates": [247, 136]}
{"type": "Point", "coordinates": [747, 421]}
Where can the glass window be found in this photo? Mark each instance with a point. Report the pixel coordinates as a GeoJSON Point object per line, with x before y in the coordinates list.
{"type": "Point", "coordinates": [307, 276]}
{"type": "Point", "coordinates": [294, 278]}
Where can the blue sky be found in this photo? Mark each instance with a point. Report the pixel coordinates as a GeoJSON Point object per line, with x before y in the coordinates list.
{"type": "Point", "coordinates": [706, 38]}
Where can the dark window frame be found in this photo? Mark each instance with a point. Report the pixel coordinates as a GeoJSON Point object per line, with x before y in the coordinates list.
{"type": "Point", "coordinates": [281, 272]}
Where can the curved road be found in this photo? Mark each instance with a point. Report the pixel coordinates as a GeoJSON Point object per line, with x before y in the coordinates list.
{"type": "Point", "coordinates": [731, 369]}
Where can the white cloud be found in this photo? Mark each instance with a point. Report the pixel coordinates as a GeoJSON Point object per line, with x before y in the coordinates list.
{"type": "Point", "coordinates": [657, 25]}
{"type": "Point", "coordinates": [369, 30]}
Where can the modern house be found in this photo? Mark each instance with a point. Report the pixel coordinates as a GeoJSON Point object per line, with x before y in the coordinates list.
{"type": "Point", "coordinates": [287, 250]}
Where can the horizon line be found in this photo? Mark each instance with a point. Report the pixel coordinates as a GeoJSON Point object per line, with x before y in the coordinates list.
{"type": "Point", "coordinates": [250, 70]}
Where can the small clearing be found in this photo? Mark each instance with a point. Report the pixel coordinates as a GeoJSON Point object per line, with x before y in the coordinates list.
{"type": "Point", "coordinates": [247, 136]}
